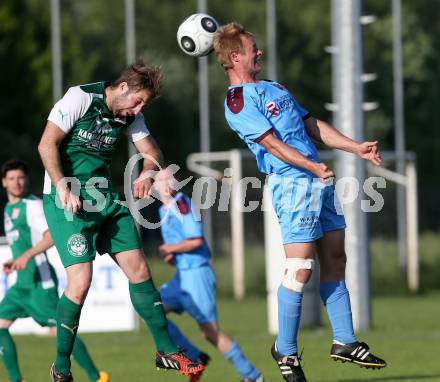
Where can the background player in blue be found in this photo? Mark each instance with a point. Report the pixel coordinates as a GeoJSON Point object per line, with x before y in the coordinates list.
{"type": "Point", "coordinates": [279, 132]}
{"type": "Point", "coordinates": [193, 288]}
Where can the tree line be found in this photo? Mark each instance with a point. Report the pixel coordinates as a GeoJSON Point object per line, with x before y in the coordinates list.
{"type": "Point", "coordinates": [93, 43]}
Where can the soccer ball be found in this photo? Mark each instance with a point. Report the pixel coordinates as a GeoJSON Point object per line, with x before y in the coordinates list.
{"type": "Point", "coordinates": [196, 33]}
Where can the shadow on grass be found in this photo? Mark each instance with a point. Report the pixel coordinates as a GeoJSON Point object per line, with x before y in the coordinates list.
{"type": "Point", "coordinates": [390, 378]}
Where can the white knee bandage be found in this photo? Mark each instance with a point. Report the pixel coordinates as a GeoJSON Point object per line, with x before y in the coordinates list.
{"type": "Point", "coordinates": [293, 265]}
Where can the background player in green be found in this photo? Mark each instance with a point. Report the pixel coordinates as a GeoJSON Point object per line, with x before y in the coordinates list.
{"type": "Point", "coordinates": [35, 292]}
{"type": "Point", "coordinates": [85, 215]}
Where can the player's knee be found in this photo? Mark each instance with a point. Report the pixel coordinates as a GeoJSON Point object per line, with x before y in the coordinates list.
{"type": "Point", "coordinates": [138, 270]}
{"type": "Point", "coordinates": [297, 273]}
{"type": "Point", "coordinates": [339, 262]}
{"type": "Point", "coordinates": [340, 258]}
{"type": "Point", "coordinates": [205, 335]}
{"type": "Point", "coordinates": [78, 289]}
{"type": "Point", "coordinates": [211, 337]}
{"type": "Point", "coordinates": [210, 333]}
{"type": "Point", "coordinates": [5, 324]}
{"type": "Point", "coordinates": [81, 292]}
{"type": "Point", "coordinates": [140, 273]}
{"type": "Point", "coordinates": [303, 275]}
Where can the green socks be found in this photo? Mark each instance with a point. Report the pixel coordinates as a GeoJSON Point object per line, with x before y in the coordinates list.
{"type": "Point", "coordinates": [147, 302]}
{"type": "Point", "coordinates": [9, 355]}
{"type": "Point", "coordinates": [68, 314]}
{"type": "Point", "coordinates": [83, 359]}
{"type": "Point", "coordinates": [68, 343]}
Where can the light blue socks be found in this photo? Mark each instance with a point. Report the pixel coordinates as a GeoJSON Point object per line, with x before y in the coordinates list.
{"type": "Point", "coordinates": [336, 299]}
{"type": "Point", "coordinates": [241, 363]}
{"type": "Point", "coordinates": [289, 316]}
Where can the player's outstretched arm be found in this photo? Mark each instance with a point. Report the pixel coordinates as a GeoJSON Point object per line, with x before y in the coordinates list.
{"type": "Point", "coordinates": [48, 149]}
{"type": "Point", "coordinates": [153, 161]}
{"type": "Point", "coordinates": [42, 246]}
{"type": "Point", "coordinates": [369, 151]}
{"type": "Point", "coordinates": [290, 155]}
{"type": "Point", "coordinates": [325, 133]}
{"type": "Point", "coordinates": [184, 246]}
{"type": "Point", "coordinates": [50, 156]}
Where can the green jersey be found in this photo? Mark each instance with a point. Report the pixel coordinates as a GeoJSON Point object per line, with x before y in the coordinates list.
{"type": "Point", "coordinates": [24, 226]}
{"type": "Point", "coordinates": [92, 133]}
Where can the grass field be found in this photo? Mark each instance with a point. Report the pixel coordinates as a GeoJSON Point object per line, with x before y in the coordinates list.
{"type": "Point", "coordinates": [406, 332]}
{"type": "Point", "coordinates": [386, 278]}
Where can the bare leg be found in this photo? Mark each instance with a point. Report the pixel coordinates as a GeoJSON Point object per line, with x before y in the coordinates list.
{"type": "Point", "coordinates": [133, 264]}
{"type": "Point", "coordinates": [230, 350]}
{"type": "Point", "coordinates": [79, 278]}
{"type": "Point", "coordinates": [332, 257]}
{"type": "Point", "coordinates": [333, 290]}
{"type": "Point", "coordinates": [216, 337]}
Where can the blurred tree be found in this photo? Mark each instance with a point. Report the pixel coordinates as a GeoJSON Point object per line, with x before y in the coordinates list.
{"type": "Point", "coordinates": [25, 81]}
{"type": "Point", "coordinates": [421, 42]}
{"type": "Point", "coordinates": [93, 40]}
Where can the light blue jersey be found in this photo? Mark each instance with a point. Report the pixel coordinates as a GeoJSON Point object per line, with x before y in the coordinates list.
{"type": "Point", "coordinates": [306, 207]}
{"type": "Point", "coordinates": [193, 288]}
{"type": "Point", "coordinates": [254, 110]}
{"type": "Point", "coordinates": [178, 224]}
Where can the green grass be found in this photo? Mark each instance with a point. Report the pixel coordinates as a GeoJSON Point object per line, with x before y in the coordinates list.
{"type": "Point", "coordinates": [406, 333]}
{"type": "Point", "coordinates": [406, 329]}
{"type": "Point", "coordinates": [386, 277]}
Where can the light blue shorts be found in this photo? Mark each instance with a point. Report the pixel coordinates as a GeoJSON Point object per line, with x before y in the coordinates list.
{"type": "Point", "coordinates": [306, 207]}
{"type": "Point", "coordinates": [192, 291]}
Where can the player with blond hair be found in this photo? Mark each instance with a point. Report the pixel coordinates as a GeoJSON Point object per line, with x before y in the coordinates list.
{"type": "Point", "coordinates": [279, 131]}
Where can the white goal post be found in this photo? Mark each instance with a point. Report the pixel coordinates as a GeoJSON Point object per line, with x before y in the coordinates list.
{"type": "Point", "coordinates": [409, 182]}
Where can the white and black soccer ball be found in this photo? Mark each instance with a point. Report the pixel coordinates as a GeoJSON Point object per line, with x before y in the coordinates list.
{"type": "Point", "coordinates": [195, 34]}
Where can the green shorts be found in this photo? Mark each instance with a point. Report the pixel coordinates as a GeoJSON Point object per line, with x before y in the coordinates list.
{"type": "Point", "coordinates": [78, 237]}
{"type": "Point", "coordinates": [38, 303]}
